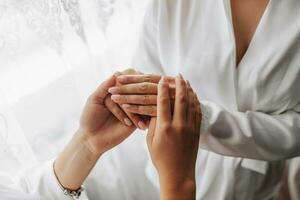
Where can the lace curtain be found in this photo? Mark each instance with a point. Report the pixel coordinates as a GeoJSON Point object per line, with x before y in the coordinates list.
{"type": "Point", "coordinates": [53, 53]}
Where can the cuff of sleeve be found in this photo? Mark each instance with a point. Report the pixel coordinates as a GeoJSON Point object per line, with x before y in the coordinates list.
{"type": "Point", "coordinates": [42, 180]}
{"type": "Point", "coordinates": [255, 165]}
{"type": "Point", "coordinates": [205, 118]}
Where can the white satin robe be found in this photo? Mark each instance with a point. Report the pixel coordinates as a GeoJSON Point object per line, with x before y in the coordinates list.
{"type": "Point", "coordinates": [251, 121]}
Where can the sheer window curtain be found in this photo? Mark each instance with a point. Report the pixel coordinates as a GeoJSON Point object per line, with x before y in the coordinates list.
{"type": "Point", "coordinates": [53, 54]}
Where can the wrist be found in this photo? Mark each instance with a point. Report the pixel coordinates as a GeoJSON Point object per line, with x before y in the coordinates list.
{"type": "Point", "coordinates": [86, 142]}
{"type": "Point", "coordinates": [172, 190]}
{"type": "Point", "coordinates": [76, 161]}
{"type": "Point", "coordinates": [176, 185]}
{"type": "Point", "coordinates": [177, 178]}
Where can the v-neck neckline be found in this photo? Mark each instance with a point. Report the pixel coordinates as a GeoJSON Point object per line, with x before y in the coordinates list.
{"type": "Point", "coordinates": [237, 66]}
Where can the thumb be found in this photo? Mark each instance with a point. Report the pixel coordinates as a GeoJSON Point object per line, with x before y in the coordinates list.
{"type": "Point", "coordinates": [102, 90]}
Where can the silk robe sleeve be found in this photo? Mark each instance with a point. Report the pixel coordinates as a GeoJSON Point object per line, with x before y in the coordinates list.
{"type": "Point", "coordinates": [250, 134]}
{"type": "Point", "coordinates": [38, 183]}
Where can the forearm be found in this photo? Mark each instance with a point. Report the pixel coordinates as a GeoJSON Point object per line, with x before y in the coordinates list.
{"type": "Point", "coordinates": [75, 163]}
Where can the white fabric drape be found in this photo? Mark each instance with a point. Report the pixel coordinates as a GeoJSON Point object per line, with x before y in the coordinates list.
{"type": "Point", "coordinates": [53, 54]}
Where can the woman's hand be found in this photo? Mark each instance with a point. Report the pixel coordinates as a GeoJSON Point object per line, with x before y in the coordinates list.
{"type": "Point", "coordinates": [138, 93]}
{"type": "Point", "coordinates": [99, 131]}
{"type": "Point", "coordinates": [98, 123]}
{"type": "Point", "coordinates": [173, 140]}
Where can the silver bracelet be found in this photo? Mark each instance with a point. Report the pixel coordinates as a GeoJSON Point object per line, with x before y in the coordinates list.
{"type": "Point", "coordinates": [74, 194]}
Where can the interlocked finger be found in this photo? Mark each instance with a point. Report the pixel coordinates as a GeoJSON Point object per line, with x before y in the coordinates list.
{"type": "Point", "coordinates": [141, 110]}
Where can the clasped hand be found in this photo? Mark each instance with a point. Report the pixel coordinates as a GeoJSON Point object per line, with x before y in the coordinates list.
{"type": "Point", "coordinates": [167, 106]}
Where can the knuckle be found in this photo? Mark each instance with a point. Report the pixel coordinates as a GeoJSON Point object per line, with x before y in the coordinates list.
{"type": "Point", "coordinates": [146, 99]}
{"type": "Point", "coordinates": [166, 127]}
{"type": "Point", "coordinates": [151, 110]}
{"type": "Point", "coordinates": [163, 100]}
{"type": "Point", "coordinates": [180, 127]}
{"type": "Point", "coordinates": [118, 112]}
{"type": "Point", "coordinates": [124, 98]}
{"type": "Point", "coordinates": [144, 87]}
{"type": "Point", "coordinates": [182, 98]}
{"type": "Point", "coordinates": [94, 98]}
{"type": "Point", "coordinates": [147, 78]}
{"type": "Point", "coordinates": [193, 104]}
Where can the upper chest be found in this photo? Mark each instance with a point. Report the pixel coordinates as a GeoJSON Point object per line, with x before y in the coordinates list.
{"type": "Point", "coordinates": [246, 16]}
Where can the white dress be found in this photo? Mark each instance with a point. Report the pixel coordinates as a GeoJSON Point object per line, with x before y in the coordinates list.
{"type": "Point", "coordinates": [251, 121]}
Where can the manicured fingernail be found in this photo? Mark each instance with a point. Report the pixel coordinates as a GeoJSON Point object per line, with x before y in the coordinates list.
{"type": "Point", "coordinates": [113, 90]}
{"type": "Point", "coordinates": [142, 125]}
{"type": "Point", "coordinates": [128, 122]}
{"type": "Point", "coordinates": [162, 80]}
{"type": "Point", "coordinates": [115, 97]}
{"type": "Point", "coordinates": [125, 106]}
{"type": "Point", "coordinates": [180, 75]}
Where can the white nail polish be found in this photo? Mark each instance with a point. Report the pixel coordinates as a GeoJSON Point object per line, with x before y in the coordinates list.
{"type": "Point", "coordinates": [125, 106]}
{"type": "Point", "coordinates": [142, 125]}
{"type": "Point", "coordinates": [127, 122]}
{"type": "Point", "coordinates": [115, 97]}
{"type": "Point", "coordinates": [112, 90]}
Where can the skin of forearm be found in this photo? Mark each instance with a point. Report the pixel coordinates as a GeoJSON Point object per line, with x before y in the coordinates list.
{"type": "Point", "coordinates": [75, 162]}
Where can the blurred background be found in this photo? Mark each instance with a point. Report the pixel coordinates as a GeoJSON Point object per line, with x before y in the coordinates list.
{"type": "Point", "coordinates": [53, 54]}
